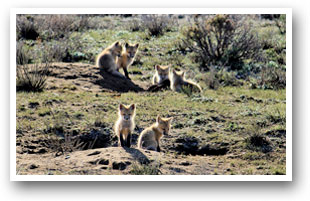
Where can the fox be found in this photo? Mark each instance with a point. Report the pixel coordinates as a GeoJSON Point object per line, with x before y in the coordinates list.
{"type": "Point", "coordinates": [161, 74]}
{"type": "Point", "coordinates": [127, 57]}
{"type": "Point", "coordinates": [125, 124]}
{"type": "Point", "coordinates": [150, 137]}
{"type": "Point", "coordinates": [178, 82]}
{"type": "Point", "coordinates": [107, 59]}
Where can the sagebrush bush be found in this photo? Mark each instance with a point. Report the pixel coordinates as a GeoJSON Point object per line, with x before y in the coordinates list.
{"type": "Point", "coordinates": [221, 40]}
{"type": "Point", "coordinates": [30, 77]}
{"type": "Point", "coordinates": [257, 141]}
{"type": "Point", "coordinates": [271, 77]}
{"type": "Point", "coordinates": [156, 25]}
{"type": "Point", "coordinates": [50, 27]}
{"type": "Point", "coordinates": [135, 24]}
{"type": "Point", "coordinates": [26, 27]}
{"type": "Point", "coordinates": [216, 78]}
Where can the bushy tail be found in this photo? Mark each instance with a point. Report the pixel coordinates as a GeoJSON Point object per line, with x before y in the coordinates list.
{"type": "Point", "coordinates": [193, 86]}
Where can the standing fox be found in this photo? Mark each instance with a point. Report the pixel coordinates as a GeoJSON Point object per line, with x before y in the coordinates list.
{"type": "Point", "coordinates": [149, 138]}
{"type": "Point", "coordinates": [178, 82]}
{"type": "Point", "coordinates": [161, 74]}
{"type": "Point", "coordinates": [125, 124]}
{"type": "Point", "coordinates": [106, 60]}
{"type": "Point", "coordinates": [127, 57]}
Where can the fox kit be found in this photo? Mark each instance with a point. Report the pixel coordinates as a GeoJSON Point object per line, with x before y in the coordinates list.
{"type": "Point", "coordinates": [149, 138]}
{"type": "Point", "coordinates": [125, 124]}
{"type": "Point", "coordinates": [178, 82]}
{"type": "Point", "coordinates": [161, 74]}
{"type": "Point", "coordinates": [127, 57]}
{"type": "Point", "coordinates": [106, 60]}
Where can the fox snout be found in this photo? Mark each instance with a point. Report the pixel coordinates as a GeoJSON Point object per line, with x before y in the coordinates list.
{"type": "Point", "coordinates": [126, 117]}
{"type": "Point", "coordinates": [131, 55]}
{"type": "Point", "coordinates": [165, 132]}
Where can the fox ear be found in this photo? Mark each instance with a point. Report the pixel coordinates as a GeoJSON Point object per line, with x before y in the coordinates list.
{"type": "Point", "coordinates": [158, 118]}
{"type": "Point", "coordinates": [117, 43]}
{"type": "Point", "coordinates": [137, 45]}
{"type": "Point", "coordinates": [121, 106]}
{"type": "Point", "coordinates": [127, 45]}
{"type": "Point", "coordinates": [170, 119]}
{"type": "Point", "coordinates": [156, 67]}
{"type": "Point", "coordinates": [132, 106]}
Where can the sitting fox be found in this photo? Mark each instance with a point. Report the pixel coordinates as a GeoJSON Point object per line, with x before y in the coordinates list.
{"type": "Point", "coordinates": [149, 138]}
{"type": "Point", "coordinates": [161, 74]}
{"type": "Point", "coordinates": [179, 83]}
{"type": "Point", "coordinates": [106, 60]}
{"type": "Point", "coordinates": [125, 124]}
{"type": "Point", "coordinates": [127, 57]}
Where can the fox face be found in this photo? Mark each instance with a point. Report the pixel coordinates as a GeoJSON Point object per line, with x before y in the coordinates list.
{"type": "Point", "coordinates": [127, 112]}
{"type": "Point", "coordinates": [117, 49]}
{"type": "Point", "coordinates": [164, 124]}
{"type": "Point", "coordinates": [162, 72]}
{"type": "Point", "coordinates": [131, 49]}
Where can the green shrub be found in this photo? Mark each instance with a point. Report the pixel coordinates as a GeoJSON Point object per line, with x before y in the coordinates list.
{"type": "Point", "coordinates": [257, 141]}
{"type": "Point", "coordinates": [216, 78]}
{"type": "Point", "coordinates": [144, 169]}
{"type": "Point", "coordinates": [221, 40]}
{"type": "Point", "coordinates": [271, 77]}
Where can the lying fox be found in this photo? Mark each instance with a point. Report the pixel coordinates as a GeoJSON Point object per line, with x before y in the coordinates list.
{"type": "Point", "coordinates": [107, 59]}
{"type": "Point", "coordinates": [127, 57]}
{"type": "Point", "coordinates": [178, 82]}
{"type": "Point", "coordinates": [161, 74]}
{"type": "Point", "coordinates": [149, 138]}
{"type": "Point", "coordinates": [125, 124]}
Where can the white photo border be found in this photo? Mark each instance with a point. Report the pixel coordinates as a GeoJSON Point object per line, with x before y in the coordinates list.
{"type": "Point", "coordinates": [286, 177]}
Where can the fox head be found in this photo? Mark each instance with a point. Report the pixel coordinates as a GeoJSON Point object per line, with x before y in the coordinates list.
{"type": "Point", "coordinates": [131, 49]}
{"type": "Point", "coordinates": [164, 124]}
{"type": "Point", "coordinates": [127, 112]}
{"type": "Point", "coordinates": [174, 75]}
{"type": "Point", "coordinates": [117, 48]}
{"type": "Point", "coordinates": [162, 72]}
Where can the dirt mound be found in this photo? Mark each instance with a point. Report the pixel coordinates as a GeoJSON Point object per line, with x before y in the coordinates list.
{"type": "Point", "coordinates": [112, 161]}
{"type": "Point", "coordinates": [78, 76]}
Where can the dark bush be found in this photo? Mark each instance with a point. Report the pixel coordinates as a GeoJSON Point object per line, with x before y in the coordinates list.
{"type": "Point", "coordinates": [258, 142]}
{"type": "Point", "coordinates": [26, 28]}
{"type": "Point", "coordinates": [221, 40]}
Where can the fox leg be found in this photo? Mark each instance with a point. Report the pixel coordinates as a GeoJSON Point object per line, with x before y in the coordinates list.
{"type": "Point", "coordinates": [122, 140]}
{"type": "Point", "coordinates": [128, 143]}
{"type": "Point", "coordinates": [158, 148]}
{"type": "Point", "coordinates": [126, 73]}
